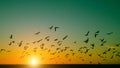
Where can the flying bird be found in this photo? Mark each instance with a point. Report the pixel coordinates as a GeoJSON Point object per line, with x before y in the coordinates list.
{"type": "Point", "coordinates": [47, 37]}
{"type": "Point", "coordinates": [2, 50]}
{"type": "Point", "coordinates": [56, 28]}
{"type": "Point", "coordinates": [11, 36]}
{"type": "Point", "coordinates": [52, 45]}
{"type": "Point", "coordinates": [20, 44]}
{"type": "Point", "coordinates": [87, 33]}
{"type": "Point", "coordinates": [111, 57]}
{"type": "Point", "coordinates": [95, 35]}
{"type": "Point", "coordinates": [86, 41]}
{"type": "Point", "coordinates": [39, 40]}
{"type": "Point", "coordinates": [102, 40]}
{"type": "Point", "coordinates": [10, 43]}
{"type": "Point", "coordinates": [37, 33]}
{"type": "Point", "coordinates": [103, 43]}
{"type": "Point", "coordinates": [65, 37]}
{"type": "Point", "coordinates": [109, 33]}
{"type": "Point", "coordinates": [117, 44]}
{"type": "Point", "coordinates": [74, 42]}
{"type": "Point", "coordinates": [50, 27]}
{"type": "Point", "coordinates": [55, 39]}
{"type": "Point", "coordinates": [97, 32]}
{"type": "Point", "coordinates": [92, 46]}
{"type": "Point", "coordinates": [25, 47]}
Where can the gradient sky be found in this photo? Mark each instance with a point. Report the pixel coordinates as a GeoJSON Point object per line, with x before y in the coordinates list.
{"type": "Point", "coordinates": [23, 18]}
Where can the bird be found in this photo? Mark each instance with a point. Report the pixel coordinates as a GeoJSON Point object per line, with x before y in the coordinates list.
{"type": "Point", "coordinates": [47, 37]}
{"type": "Point", "coordinates": [87, 33]}
{"type": "Point", "coordinates": [71, 50]}
{"type": "Point", "coordinates": [109, 33]}
{"type": "Point", "coordinates": [10, 43]}
{"type": "Point", "coordinates": [55, 39]}
{"type": "Point", "coordinates": [39, 40]}
{"type": "Point", "coordinates": [56, 28]}
{"type": "Point", "coordinates": [65, 37]}
{"type": "Point", "coordinates": [52, 45]}
{"type": "Point", "coordinates": [95, 35]}
{"type": "Point", "coordinates": [102, 40]}
{"type": "Point", "coordinates": [50, 27]}
{"type": "Point", "coordinates": [25, 47]}
{"type": "Point", "coordinates": [92, 46]}
{"type": "Point", "coordinates": [59, 42]}
{"type": "Point", "coordinates": [57, 48]}
{"type": "Point", "coordinates": [103, 43]}
{"type": "Point", "coordinates": [86, 41]}
{"type": "Point", "coordinates": [74, 42]}
{"type": "Point", "coordinates": [13, 41]}
{"type": "Point", "coordinates": [2, 50]}
{"type": "Point", "coordinates": [20, 43]}
{"type": "Point", "coordinates": [111, 57]}
{"type": "Point", "coordinates": [66, 55]}
{"type": "Point", "coordinates": [97, 31]}
{"type": "Point", "coordinates": [86, 51]}
{"type": "Point", "coordinates": [11, 36]}
{"type": "Point", "coordinates": [105, 52]}
{"type": "Point", "coordinates": [117, 44]}
{"type": "Point", "coordinates": [37, 33]}
{"type": "Point", "coordinates": [73, 54]}
{"type": "Point", "coordinates": [90, 54]}
{"type": "Point", "coordinates": [109, 49]}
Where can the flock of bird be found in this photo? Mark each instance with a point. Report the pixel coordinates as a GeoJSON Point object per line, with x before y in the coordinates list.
{"type": "Point", "coordinates": [59, 50]}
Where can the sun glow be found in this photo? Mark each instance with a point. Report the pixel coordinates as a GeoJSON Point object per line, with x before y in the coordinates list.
{"type": "Point", "coordinates": [34, 61]}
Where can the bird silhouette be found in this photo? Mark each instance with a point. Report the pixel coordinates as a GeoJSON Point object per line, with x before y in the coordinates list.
{"type": "Point", "coordinates": [74, 42]}
{"type": "Point", "coordinates": [86, 41]}
{"type": "Point", "coordinates": [87, 33]}
{"type": "Point", "coordinates": [117, 44]}
{"type": "Point", "coordinates": [92, 46]}
{"type": "Point", "coordinates": [105, 52]}
{"type": "Point", "coordinates": [90, 55]}
{"type": "Point", "coordinates": [37, 33]}
{"type": "Point", "coordinates": [50, 27]}
{"type": "Point", "coordinates": [39, 40]}
{"type": "Point", "coordinates": [97, 31]}
{"type": "Point", "coordinates": [2, 50]}
{"type": "Point", "coordinates": [20, 44]}
{"type": "Point", "coordinates": [56, 28]}
{"type": "Point", "coordinates": [111, 57]}
{"type": "Point", "coordinates": [25, 47]}
{"type": "Point", "coordinates": [102, 40]}
{"type": "Point", "coordinates": [11, 36]}
{"type": "Point", "coordinates": [95, 35]}
{"type": "Point", "coordinates": [10, 43]}
{"type": "Point", "coordinates": [52, 45]}
{"type": "Point", "coordinates": [13, 41]}
{"type": "Point", "coordinates": [55, 39]}
{"type": "Point", "coordinates": [47, 37]}
{"type": "Point", "coordinates": [109, 33]}
{"type": "Point", "coordinates": [103, 43]}
{"type": "Point", "coordinates": [109, 49]}
{"type": "Point", "coordinates": [65, 37]}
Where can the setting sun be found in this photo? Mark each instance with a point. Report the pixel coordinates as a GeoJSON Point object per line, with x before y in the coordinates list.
{"type": "Point", "coordinates": [34, 61]}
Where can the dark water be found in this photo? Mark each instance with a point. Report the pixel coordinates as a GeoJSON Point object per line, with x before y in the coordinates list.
{"type": "Point", "coordinates": [60, 66]}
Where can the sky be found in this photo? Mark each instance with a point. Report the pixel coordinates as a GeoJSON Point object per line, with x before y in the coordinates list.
{"type": "Point", "coordinates": [23, 18]}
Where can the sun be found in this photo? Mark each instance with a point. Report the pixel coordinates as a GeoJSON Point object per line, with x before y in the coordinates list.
{"type": "Point", "coordinates": [34, 61]}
